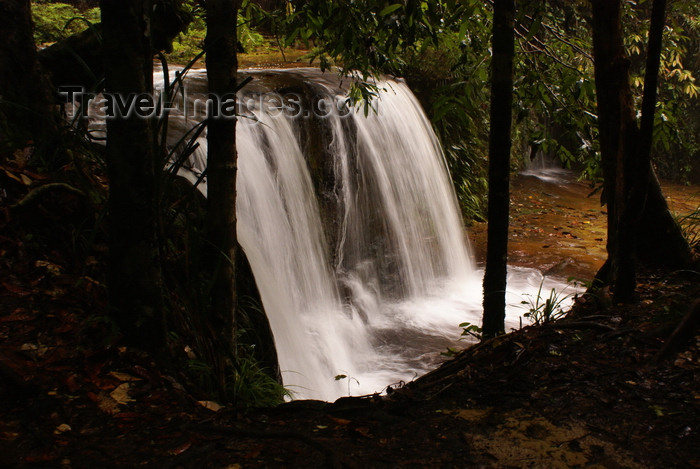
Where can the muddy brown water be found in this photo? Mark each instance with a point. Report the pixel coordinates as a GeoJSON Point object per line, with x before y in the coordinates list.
{"type": "Point", "coordinates": [558, 225]}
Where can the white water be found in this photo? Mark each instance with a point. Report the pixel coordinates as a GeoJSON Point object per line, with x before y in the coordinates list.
{"type": "Point", "coordinates": [547, 168]}
{"type": "Point", "coordinates": [381, 303]}
{"type": "Point", "coordinates": [400, 280]}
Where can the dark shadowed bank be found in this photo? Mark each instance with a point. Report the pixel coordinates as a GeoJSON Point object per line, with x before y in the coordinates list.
{"type": "Point", "coordinates": [604, 387]}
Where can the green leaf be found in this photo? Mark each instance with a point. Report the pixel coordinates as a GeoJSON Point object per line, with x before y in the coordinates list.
{"type": "Point", "coordinates": [390, 9]}
{"type": "Point", "coordinates": [463, 29]}
{"type": "Point", "coordinates": [534, 29]}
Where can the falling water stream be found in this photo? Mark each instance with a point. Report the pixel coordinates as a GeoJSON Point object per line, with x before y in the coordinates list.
{"type": "Point", "coordinates": [352, 230]}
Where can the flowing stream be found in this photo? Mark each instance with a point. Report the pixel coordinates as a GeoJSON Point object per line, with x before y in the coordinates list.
{"type": "Point", "coordinates": [351, 226]}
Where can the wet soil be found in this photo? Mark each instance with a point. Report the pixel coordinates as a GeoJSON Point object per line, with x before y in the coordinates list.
{"type": "Point", "coordinates": [591, 390]}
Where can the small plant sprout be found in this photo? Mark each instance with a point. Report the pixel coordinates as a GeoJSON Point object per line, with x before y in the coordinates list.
{"type": "Point", "coordinates": [470, 330]}
{"type": "Point", "coordinates": [350, 379]}
{"type": "Point", "coordinates": [542, 310]}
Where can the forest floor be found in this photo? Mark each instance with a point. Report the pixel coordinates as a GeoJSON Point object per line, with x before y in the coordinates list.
{"type": "Point", "coordinates": [590, 390]}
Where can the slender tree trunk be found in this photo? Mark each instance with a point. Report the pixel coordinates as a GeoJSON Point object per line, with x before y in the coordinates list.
{"type": "Point", "coordinates": [618, 135]}
{"type": "Point", "coordinates": [222, 165]}
{"type": "Point", "coordinates": [499, 167]}
{"type": "Point", "coordinates": [134, 278]}
{"type": "Point", "coordinates": [639, 172]}
{"type": "Point", "coordinates": [651, 79]}
{"type": "Point", "coordinates": [657, 232]}
{"type": "Point", "coordinates": [26, 113]}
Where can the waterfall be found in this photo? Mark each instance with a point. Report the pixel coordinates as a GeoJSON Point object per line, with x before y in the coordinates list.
{"type": "Point", "coordinates": [398, 180]}
{"type": "Point", "coordinates": [368, 279]}
{"type": "Point", "coordinates": [333, 308]}
{"type": "Point", "coordinates": [352, 230]}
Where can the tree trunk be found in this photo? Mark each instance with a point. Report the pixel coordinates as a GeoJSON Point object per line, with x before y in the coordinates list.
{"type": "Point", "coordinates": [618, 134]}
{"type": "Point", "coordinates": [499, 167]}
{"type": "Point", "coordinates": [660, 241]}
{"type": "Point", "coordinates": [77, 60]}
{"type": "Point", "coordinates": [26, 114]}
{"type": "Point", "coordinates": [639, 171]}
{"type": "Point", "coordinates": [134, 277]}
{"type": "Point", "coordinates": [640, 227]}
{"type": "Point", "coordinates": [222, 164]}
{"type": "Point", "coordinates": [659, 238]}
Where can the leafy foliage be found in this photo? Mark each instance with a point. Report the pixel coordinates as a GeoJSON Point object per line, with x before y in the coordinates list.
{"type": "Point", "coordinates": [191, 42]}
{"type": "Point", "coordinates": [449, 77]}
{"type": "Point", "coordinates": [362, 36]}
{"type": "Point", "coordinates": [676, 126]}
{"type": "Point", "coordinates": [470, 330]}
{"type": "Point", "coordinates": [442, 48]}
{"type": "Point", "coordinates": [56, 21]}
{"type": "Point", "coordinates": [690, 224]}
{"type": "Point", "coordinates": [543, 310]}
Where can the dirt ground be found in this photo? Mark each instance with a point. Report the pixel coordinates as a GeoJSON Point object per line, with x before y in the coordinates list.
{"type": "Point", "coordinates": [592, 390]}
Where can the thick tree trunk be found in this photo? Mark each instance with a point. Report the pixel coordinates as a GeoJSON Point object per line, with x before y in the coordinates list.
{"type": "Point", "coordinates": [26, 113]}
{"type": "Point", "coordinates": [640, 227]}
{"type": "Point", "coordinates": [660, 241]}
{"type": "Point", "coordinates": [77, 60]}
{"type": "Point", "coordinates": [499, 167]}
{"type": "Point", "coordinates": [222, 165]}
{"type": "Point", "coordinates": [134, 277]}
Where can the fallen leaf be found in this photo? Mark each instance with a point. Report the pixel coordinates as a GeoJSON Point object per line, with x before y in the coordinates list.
{"type": "Point", "coordinates": [364, 431]}
{"type": "Point", "coordinates": [72, 383]}
{"type": "Point", "coordinates": [12, 176]}
{"type": "Point", "coordinates": [180, 449]}
{"type": "Point", "coordinates": [131, 416]}
{"type": "Point", "coordinates": [340, 421]}
{"type": "Point", "coordinates": [50, 267]}
{"type": "Point", "coordinates": [45, 456]}
{"type": "Point", "coordinates": [105, 403]}
{"type": "Point", "coordinates": [123, 376]}
{"type": "Point", "coordinates": [63, 428]}
{"type": "Point", "coordinates": [15, 289]}
{"type": "Point", "coordinates": [121, 394]}
{"type": "Point", "coordinates": [19, 314]}
{"type": "Point", "coordinates": [8, 436]}
{"type": "Point", "coordinates": [210, 405]}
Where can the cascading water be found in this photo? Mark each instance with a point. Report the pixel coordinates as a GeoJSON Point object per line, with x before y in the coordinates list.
{"type": "Point", "coordinates": [352, 231]}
